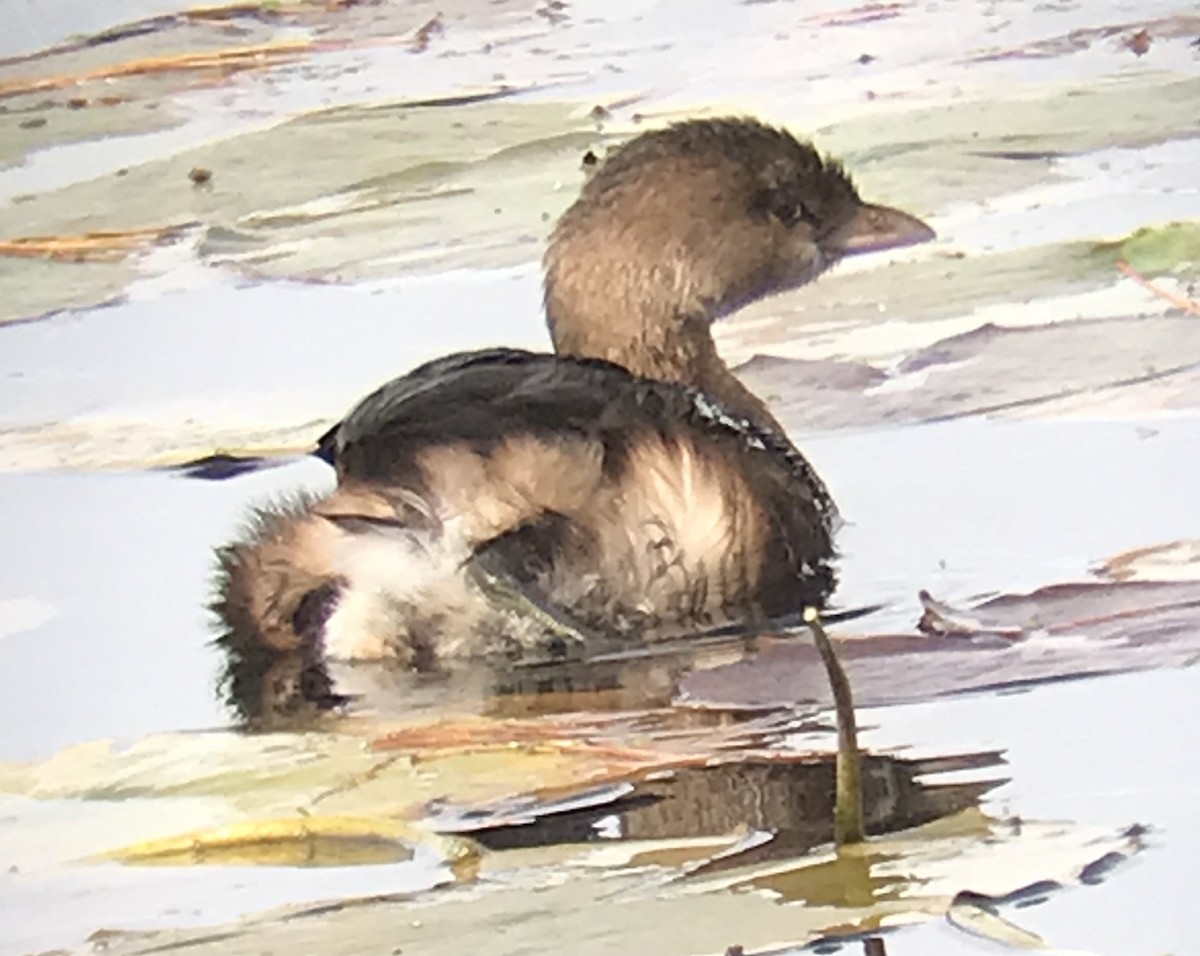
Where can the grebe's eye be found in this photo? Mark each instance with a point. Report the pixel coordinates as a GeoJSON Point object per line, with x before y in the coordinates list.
{"type": "Point", "coordinates": [780, 204]}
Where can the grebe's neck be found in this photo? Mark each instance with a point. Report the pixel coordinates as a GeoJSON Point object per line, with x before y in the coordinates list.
{"type": "Point", "coordinates": [665, 348]}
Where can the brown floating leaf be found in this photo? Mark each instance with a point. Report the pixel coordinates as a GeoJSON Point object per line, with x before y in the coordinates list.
{"type": "Point", "coordinates": [940, 618]}
{"type": "Point", "coordinates": [91, 246]}
{"type": "Point", "coordinates": [460, 735]}
{"type": "Point", "coordinates": [620, 743]}
{"type": "Point", "coordinates": [1056, 632]}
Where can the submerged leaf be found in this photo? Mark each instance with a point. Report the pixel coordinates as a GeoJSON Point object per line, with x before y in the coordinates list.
{"type": "Point", "coordinates": [299, 841]}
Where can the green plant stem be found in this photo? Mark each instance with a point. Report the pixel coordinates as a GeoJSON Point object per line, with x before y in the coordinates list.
{"type": "Point", "coordinates": [848, 804]}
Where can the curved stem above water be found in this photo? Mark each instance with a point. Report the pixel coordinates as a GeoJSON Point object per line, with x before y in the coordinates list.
{"type": "Point", "coordinates": [848, 804]}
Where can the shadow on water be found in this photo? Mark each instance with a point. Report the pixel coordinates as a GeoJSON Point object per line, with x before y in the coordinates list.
{"type": "Point", "coordinates": [785, 801]}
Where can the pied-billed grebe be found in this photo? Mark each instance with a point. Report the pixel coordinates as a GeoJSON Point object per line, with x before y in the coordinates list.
{"type": "Point", "coordinates": [628, 486]}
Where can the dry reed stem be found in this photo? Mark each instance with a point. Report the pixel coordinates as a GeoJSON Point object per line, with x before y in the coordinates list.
{"type": "Point", "coordinates": [89, 247]}
{"type": "Point", "coordinates": [230, 58]}
{"type": "Point", "coordinates": [1179, 301]}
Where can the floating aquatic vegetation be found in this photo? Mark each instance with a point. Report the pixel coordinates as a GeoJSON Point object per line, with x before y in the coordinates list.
{"type": "Point", "coordinates": [682, 818]}
{"type": "Point", "coordinates": [648, 897]}
{"type": "Point", "coordinates": [289, 12]}
{"type": "Point", "coordinates": [216, 61]}
{"type": "Point", "coordinates": [1173, 248]}
{"type": "Point", "coordinates": [344, 194]}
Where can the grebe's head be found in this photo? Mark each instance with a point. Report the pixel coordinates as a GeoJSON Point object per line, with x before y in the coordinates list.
{"type": "Point", "coordinates": [682, 225]}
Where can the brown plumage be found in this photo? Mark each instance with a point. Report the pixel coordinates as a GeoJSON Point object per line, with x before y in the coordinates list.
{"type": "Point", "coordinates": [629, 487]}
